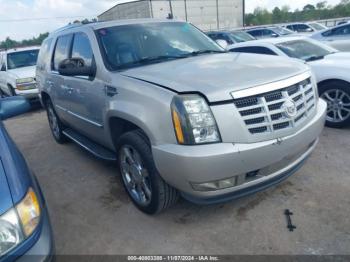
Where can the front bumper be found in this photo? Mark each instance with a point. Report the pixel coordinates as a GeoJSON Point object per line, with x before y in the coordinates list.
{"type": "Point", "coordinates": [181, 166]}
{"type": "Point", "coordinates": [31, 94]}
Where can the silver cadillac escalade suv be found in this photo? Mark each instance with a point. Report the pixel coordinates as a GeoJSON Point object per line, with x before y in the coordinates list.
{"type": "Point", "coordinates": [180, 115]}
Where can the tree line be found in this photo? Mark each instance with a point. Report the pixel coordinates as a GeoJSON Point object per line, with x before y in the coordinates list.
{"type": "Point", "coordinates": [9, 43]}
{"type": "Point", "coordinates": [322, 10]}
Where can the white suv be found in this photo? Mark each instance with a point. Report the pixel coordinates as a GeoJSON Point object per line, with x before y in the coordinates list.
{"type": "Point", "coordinates": [17, 72]}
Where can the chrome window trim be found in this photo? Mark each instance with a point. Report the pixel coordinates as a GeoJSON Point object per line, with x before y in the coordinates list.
{"type": "Point", "coordinates": [271, 86]}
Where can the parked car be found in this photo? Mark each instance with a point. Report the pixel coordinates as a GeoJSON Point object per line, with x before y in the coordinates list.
{"type": "Point", "coordinates": [230, 37]}
{"type": "Point", "coordinates": [17, 72]}
{"type": "Point", "coordinates": [305, 27]}
{"type": "Point", "coordinates": [178, 113]}
{"type": "Point", "coordinates": [269, 32]}
{"type": "Point", "coordinates": [343, 22]}
{"type": "Point", "coordinates": [337, 37]}
{"type": "Point", "coordinates": [25, 230]}
{"type": "Point", "coordinates": [330, 66]}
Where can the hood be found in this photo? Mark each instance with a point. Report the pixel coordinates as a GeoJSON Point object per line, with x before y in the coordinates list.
{"type": "Point", "coordinates": [339, 56]}
{"type": "Point", "coordinates": [5, 194]}
{"type": "Point", "coordinates": [23, 72]}
{"type": "Point", "coordinates": [216, 76]}
{"type": "Point", "coordinates": [336, 60]}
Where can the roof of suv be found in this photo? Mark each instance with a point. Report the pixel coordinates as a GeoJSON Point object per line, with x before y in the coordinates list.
{"type": "Point", "coordinates": [99, 25]}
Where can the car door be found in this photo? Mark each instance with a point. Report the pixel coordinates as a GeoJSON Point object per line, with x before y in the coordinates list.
{"type": "Point", "coordinates": [59, 90]}
{"type": "Point", "coordinates": [87, 96]}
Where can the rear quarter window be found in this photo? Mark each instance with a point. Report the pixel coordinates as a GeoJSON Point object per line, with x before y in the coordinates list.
{"type": "Point", "coordinates": [44, 54]}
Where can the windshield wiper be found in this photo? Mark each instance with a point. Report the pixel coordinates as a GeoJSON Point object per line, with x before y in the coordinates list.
{"type": "Point", "coordinates": [202, 52]}
{"type": "Point", "coordinates": [314, 58]}
{"type": "Point", "coordinates": [157, 58]}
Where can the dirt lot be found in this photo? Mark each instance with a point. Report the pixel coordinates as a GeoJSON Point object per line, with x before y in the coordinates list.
{"type": "Point", "coordinates": [91, 213]}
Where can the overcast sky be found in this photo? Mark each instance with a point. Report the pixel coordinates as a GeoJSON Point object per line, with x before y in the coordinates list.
{"type": "Point", "coordinates": [16, 16]}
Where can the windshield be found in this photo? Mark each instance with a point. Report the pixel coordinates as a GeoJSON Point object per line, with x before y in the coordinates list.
{"type": "Point", "coordinates": [318, 27]}
{"type": "Point", "coordinates": [22, 59]}
{"type": "Point", "coordinates": [140, 44]}
{"type": "Point", "coordinates": [240, 36]}
{"type": "Point", "coordinates": [282, 31]}
{"type": "Point", "coordinates": [304, 50]}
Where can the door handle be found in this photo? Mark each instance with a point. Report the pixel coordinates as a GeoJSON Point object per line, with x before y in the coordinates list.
{"type": "Point", "coordinates": [67, 88]}
{"type": "Point", "coordinates": [111, 90]}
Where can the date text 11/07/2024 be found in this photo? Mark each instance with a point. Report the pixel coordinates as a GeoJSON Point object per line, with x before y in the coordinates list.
{"type": "Point", "coordinates": [173, 258]}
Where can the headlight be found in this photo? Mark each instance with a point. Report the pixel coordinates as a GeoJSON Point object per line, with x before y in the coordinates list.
{"type": "Point", "coordinates": [25, 80]}
{"type": "Point", "coordinates": [193, 120]}
{"type": "Point", "coordinates": [29, 212]}
{"type": "Point", "coordinates": [26, 83]}
{"type": "Point", "coordinates": [10, 231]}
{"type": "Point", "coordinates": [19, 223]}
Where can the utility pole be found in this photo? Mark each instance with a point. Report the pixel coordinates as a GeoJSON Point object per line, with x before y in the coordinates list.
{"type": "Point", "coordinates": [217, 15]}
{"type": "Point", "coordinates": [243, 13]}
{"type": "Point", "coordinates": [171, 15]}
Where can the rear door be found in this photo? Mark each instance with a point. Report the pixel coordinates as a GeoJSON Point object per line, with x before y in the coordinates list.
{"type": "Point", "coordinates": [59, 90]}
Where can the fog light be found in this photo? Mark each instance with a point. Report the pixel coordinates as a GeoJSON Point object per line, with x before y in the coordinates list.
{"type": "Point", "coordinates": [215, 185]}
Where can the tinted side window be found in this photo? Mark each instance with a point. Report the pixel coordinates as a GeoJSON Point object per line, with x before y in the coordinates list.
{"type": "Point", "coordinates": [268, 32]}
{"type": "Point", "coordinates": [255, 33]}
{"type": "Point", "coordinates": [44, 54]}
{"type": "Point", "coordinates": [213, 36]}
{"type": "Point", "coordinates": [61, 50]}
{"type": "Point", "coordinates": [302, 28]}
{"type": "Point", "coordinates": [82, 48]}
{"type": "Point", "coordinates": [290, 27]}
{"type": "Point", "coordinates": [254, 50]}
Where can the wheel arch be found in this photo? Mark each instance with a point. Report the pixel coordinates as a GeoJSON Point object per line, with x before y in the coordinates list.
{"type": "Point", "coordinates": [330, 80]}
{"type": "Point", "coordinates": [44, 98]}
{"type": "Point", "coordinates": [119, 125]}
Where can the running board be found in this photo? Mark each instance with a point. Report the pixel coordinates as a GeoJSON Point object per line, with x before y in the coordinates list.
{"type": "Point", "coordinates": [90, 146]}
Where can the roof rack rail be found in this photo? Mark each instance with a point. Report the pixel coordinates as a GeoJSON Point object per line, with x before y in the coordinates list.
{"type": "Point", "coordinates": [73, 25]}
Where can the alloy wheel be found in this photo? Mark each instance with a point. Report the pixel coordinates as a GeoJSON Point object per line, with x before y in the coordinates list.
{"type": "Point", "coordinates": [135, 175]}
{"type": "Point", "coordinates": [338, 105]}
{"type": "Point", "coordinates": [53, 121]}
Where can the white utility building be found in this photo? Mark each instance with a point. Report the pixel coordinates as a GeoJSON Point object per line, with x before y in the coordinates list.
{"type": "Point", "coordinates": [205, 14]}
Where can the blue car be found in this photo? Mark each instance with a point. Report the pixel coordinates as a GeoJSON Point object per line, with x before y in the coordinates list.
{"type": "Point", "coordinates": [25, 229]}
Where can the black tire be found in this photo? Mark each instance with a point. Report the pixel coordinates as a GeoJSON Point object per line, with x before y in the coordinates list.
{"type": "Point", "coordinates": [58, 127]}
{"type": "Point", "coordinates": [328, 91]}
{"type": "Point", "coordinates": [162, 194]}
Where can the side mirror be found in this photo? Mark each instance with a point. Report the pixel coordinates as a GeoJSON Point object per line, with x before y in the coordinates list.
{"type": "Point", "coordinates": [13, 106]}
{"type": "Point", "coordinates": [75, 67]}
{"type": "Point", "coordinates": [3, 68]}
{"type": "Point", "coordinates": [222, 43]}
{"type": "Point", "coordinates": [309, 30]}
{"type": "Point", "coordinates": [274, 35]}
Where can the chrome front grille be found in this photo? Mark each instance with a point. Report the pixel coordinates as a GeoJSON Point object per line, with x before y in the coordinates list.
{"type": "Point", "coordinates": [277, 110]}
